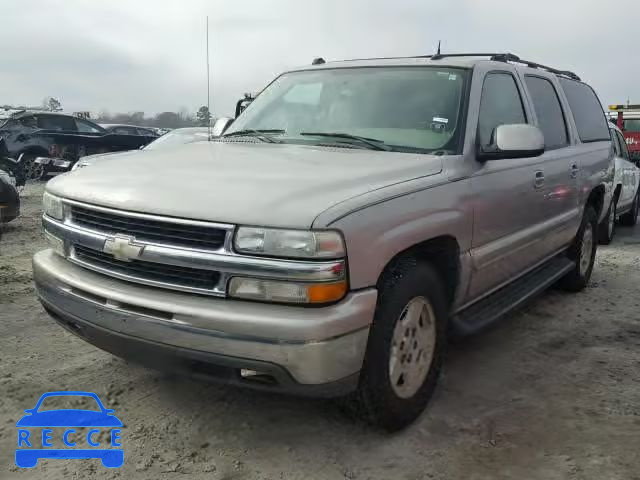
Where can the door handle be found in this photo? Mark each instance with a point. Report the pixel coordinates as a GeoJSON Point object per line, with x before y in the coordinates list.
{"type": "Point", "coordinates": [538, 182]}
{"type": "Point", "coordinates": [574, 171]}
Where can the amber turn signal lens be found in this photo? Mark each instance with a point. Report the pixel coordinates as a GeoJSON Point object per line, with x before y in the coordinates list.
{"type": "Point", "coordinates": [326, 292]}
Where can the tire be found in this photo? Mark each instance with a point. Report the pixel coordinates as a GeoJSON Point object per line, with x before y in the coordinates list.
{"type": "Point", "coordinates": [585, 241]}
{"type": "Point", "coordinates": [392, 402]}
{"type": "Point", "coordinates": [32, 171]}
{"type": "Point", "coordinates": [630, 218]}
{"type": "Point", "coordinates": [607, 228]}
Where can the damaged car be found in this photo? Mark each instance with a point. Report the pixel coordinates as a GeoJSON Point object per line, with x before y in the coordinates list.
{"type": "Point", "coordinates": [179, 136]}
{"type": "Point", "coordinates": [50, 143]}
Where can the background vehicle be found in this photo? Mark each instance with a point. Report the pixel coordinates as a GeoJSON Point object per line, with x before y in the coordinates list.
{"type": "Point", "coordinates": [626, 197]}
{"type": "Point", "coordinates": [59, 140]}
{"type": "Point", "coordinates": [179, 136]}
{"type": "Point", "coordinates": [9, 198]}
{"type": "Point", "coordinates": [130, 130]}
{"type": "Point", "coordinates": [627, 119]}
{"type": "Point", "coordinates": [350, 218]}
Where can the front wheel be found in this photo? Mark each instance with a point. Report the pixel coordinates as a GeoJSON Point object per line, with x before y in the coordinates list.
{"type": "Point", "coordinates": [582, 252]}
{"type": "Point", "coordinates": [405, 349]}
{"type": "Point", "coordinates": [608, 226]}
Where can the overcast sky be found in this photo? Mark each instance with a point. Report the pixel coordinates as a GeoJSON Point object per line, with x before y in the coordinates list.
{"type": "Point", "coordinates": [149, 55]}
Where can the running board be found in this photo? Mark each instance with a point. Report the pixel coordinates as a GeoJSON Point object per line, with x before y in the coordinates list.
{"type": "Point", "coordinates": [493, 307]}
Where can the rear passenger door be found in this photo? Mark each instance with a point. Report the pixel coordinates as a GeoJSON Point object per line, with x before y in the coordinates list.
{"type": "Point", "coordinates": [558, 213]}
{"type": "Point", "coordinates": [505, 194]}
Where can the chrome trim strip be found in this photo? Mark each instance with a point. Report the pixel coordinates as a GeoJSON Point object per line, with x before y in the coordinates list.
{"type": "Point", "coordinates": [219, 290]}
{"type": "Point", "coordinates": [146, 216]}
{"type": "Point", "coordinates": [226, 263]}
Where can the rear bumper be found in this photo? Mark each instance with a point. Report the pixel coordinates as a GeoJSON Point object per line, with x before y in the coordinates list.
{"type": "Point", "coordinates": [316, 351]}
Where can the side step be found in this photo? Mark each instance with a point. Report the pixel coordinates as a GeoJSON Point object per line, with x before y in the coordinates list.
{"type": "Point", "coordinates": [491, 308]}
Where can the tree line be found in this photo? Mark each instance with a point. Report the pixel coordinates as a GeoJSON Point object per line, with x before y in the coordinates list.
{"type": "Point", "coordinates": [180, 119]}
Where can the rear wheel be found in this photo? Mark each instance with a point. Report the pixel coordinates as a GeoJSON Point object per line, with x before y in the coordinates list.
{"type": "Point", "coordinates": [582, 252]}
{"type": "Point", "coordinates": [608, 226]}
{"type": "Point", "coordinates": [405, 348]}
{"type": "Point", "coordinates": [630, 218]}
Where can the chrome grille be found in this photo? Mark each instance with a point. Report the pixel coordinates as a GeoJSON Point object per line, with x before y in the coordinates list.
{"type": "Point", "coordinates": [148, 229]}
{"type": "Point", "coordinates": [148, 272]}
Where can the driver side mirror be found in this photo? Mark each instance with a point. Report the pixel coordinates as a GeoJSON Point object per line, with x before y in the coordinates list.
{"type": "Point", "coordinates": [513, 141]}
{"type": "Point", "coordinates": [220, 126]}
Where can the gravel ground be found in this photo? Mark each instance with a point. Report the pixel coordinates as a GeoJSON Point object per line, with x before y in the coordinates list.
{"type": "Point", "coordinates": [553, 392]}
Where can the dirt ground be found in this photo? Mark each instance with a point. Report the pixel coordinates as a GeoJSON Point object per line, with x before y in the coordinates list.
{"type": "Point", "coordinates": [553, 392]}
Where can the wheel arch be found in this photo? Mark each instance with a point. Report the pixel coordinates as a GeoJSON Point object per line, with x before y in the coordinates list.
{"type": "Point", "coordinates": [442, 253]}
{"type": "Point", "coordinates": [596, 200]}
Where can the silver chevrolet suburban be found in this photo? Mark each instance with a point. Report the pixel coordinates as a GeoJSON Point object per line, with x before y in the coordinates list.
{"type": "Point", "coordinates": [354, 216]}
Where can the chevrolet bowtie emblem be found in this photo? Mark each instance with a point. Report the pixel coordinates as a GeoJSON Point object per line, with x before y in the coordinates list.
{"type": "Point", "coordinates": [123, 247]}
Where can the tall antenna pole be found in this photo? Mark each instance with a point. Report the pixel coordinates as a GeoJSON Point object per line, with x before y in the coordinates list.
{"type": "Point", "coordinates": [208, 85]}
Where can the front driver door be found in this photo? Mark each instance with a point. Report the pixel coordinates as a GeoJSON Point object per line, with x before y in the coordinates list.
{"type": "Point", "coordinates": [506, 194]}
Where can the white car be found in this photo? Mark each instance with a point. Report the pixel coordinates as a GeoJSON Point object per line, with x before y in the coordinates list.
{"type": "Point", "coordinates": [626, 198]}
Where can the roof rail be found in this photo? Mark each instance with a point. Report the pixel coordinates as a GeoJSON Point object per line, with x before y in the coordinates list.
{"type": "Point", "coordinates": [509, 57]}
{"type": "Point", "coordinates": [496, 57]}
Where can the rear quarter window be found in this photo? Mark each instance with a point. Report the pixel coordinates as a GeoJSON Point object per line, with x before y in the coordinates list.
{"type": "Point", "coordinates": [586, 110]}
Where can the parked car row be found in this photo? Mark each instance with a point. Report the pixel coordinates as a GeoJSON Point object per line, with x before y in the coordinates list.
{"type": "Point", "coordinates": [58, 141]}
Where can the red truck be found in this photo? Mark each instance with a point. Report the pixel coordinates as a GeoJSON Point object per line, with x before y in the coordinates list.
{"type": "Point", "coordinates": [627, 118]}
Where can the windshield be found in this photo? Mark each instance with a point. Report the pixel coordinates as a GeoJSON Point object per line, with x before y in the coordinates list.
{"type": "Point", "coordinates": [407, 108]}
{"type": "Point", "coordinates": [178, 137]}
{"type": "Point", "coordinates": [632, 125]}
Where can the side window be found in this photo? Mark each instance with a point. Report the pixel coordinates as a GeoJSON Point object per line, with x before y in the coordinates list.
{"type": "Point", "coordinates": [587, 111]}
{"type": "Point", "coordinates": [624, 152]}
{"type": "Point", "coordinates": [548, 110]}
{"type": "Point", "coordinates": [500, 104]}
{"type": "Point", "coordinates": [29, 122]}
{"type": "Point", "coordinates": [87, 127]}
{"type": "Point", "coordinates": [10, 125]}
{"type": "Point", "coordinates": [56, 122]}
{"type": "Point", "coordinates": [616, 143]}
{"type": "Point", "coordinates": [124, 131]}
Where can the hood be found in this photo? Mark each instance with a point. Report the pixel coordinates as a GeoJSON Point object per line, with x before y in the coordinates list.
{"type": "Point", "coordinates": [89, 159]}
{"type": "Point", "coordinates": [242, 183]}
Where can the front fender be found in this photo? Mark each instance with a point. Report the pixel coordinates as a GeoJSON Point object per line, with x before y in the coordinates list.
{"type": "Point", "coordinates": [377, 232]}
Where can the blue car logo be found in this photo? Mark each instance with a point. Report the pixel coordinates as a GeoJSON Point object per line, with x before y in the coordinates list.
{"type": "Point", "coordinates": [32, 445]}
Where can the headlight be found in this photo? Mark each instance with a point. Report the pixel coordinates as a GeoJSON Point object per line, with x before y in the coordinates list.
{"type": "Point", "coordinates": [289, 243]}
{"type": "Point", "coordinates": [52, 206]}
{"type": "Point", "coordinates": [286, 292]}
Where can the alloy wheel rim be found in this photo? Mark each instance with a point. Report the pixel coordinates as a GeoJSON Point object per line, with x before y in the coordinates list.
{"type": "Point", "coordinates": [587, 248]}
{"type": "Point", "coordinates": [412, 347]}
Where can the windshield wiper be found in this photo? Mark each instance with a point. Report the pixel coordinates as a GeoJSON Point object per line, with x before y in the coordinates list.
{"type": "Point", "coordinates": [263, 134]}
{"type": "Point", "coordinates": [372, 143]}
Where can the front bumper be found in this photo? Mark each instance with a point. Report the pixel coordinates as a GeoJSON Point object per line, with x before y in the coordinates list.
{"type": "Point", "coordinates": [317, 351]}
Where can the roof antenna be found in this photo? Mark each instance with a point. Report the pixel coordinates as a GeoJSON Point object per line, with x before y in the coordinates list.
{"type": "Point", "coordinates": [208, 86]}
{"type": "Point", "coordinates": [437, 55]}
